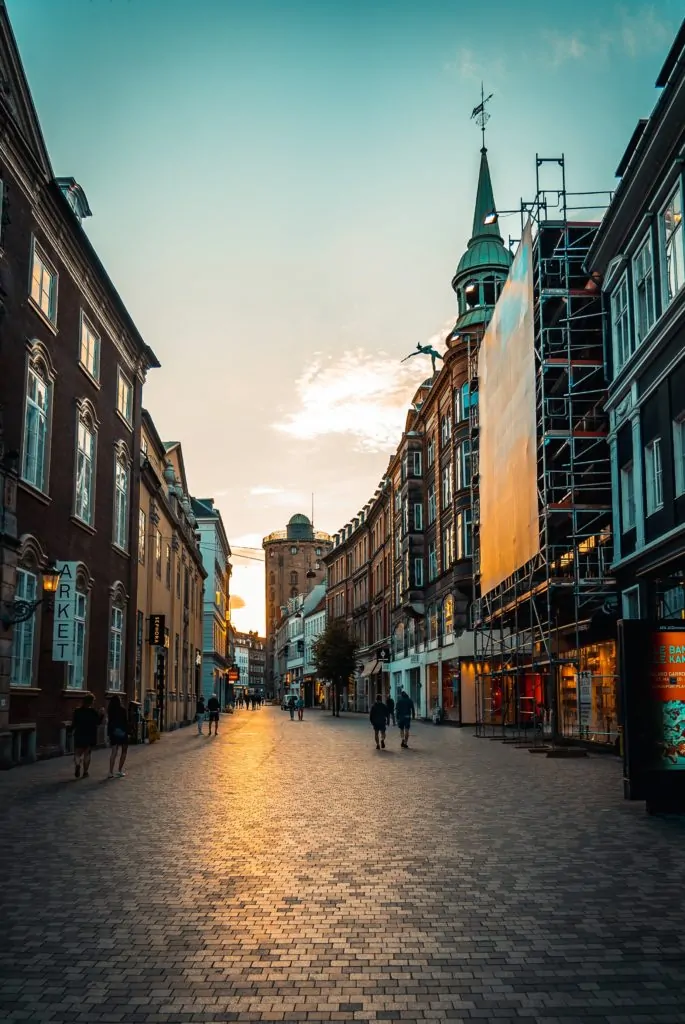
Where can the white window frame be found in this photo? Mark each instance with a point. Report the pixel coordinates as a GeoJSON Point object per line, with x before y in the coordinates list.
{"type": "Point", "coordinates": [621, 327]}
{"type": "Point", "coordinates": [88, 334]}
{"type": "Point", "coordinates": [446, 428]}
{"type": "Point", "coordinates": [142, 540]}
{"type": "Point", "coordinates": [679, 453]}
{"type": "Point", "coordinates": [116, 648]}
{"type": "Point", "coordinates": [121, 495]}
{"type": "Point", "coordinates": [464, 464]}
{"type": "Point", "coordinates": [47, 273]}
{"type": "Point", "coordinates": [418, 516]}
{"type": "Point", "coordinates": [654, 476]}
{"type": "Point", "coordinates": [628, 508]}
{"type": "Point", "coordinates": [447, 547]}
{"type": "Point", "coordinates": [38, 372]}
{"type": "Point", "coordinates": [430, 451]}
{"type": "Point", "coordinates": [643, 285]}
{"type": "Point", "coordinates": [626, 600]}
{"type": "Point", "coordinates": [418, 572]}
{"type": "Point", "coordinates": [76, 674]}
{"type": "Point", "coordinates": [89, 463]}
{"type": "Point", "coordinates": [678, 233]}
{"type": "Point", "coordinates": [446, 487]}
{"type": "Point", "coordinates": [22, 659]}
{"type": "Point", "coordinates": [126, 413]}
{"type": "Point", "coordinates": [432, 505]}
{"type": "Point", "coordinates": [464, 534]}
{"type": "Point", "coordinates": [416, 463]}
{"type": "Point", "coordinates": [432, 562]}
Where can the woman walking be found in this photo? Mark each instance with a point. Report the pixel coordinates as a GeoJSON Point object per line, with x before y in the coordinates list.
{"type": "Point", "coordinates": [117, 731]}
{"type": "Point", "coordinates": [300, 708]}
{"type": "Point", "coordinates": [200, 713]}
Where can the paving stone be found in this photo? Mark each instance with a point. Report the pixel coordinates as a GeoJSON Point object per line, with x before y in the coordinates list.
{"type": "Point", "coordinates": [290, 872]}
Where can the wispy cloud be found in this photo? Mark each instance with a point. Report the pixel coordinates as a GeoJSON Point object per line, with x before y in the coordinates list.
{"type": "Point", "coordinates": [470, 65]}
{"type": "Point", "coordinates": [360, 394]}
{"type": "Point", "coordinates": [631, 34]}
{"type": "Point", "coordinates": [265, 489]}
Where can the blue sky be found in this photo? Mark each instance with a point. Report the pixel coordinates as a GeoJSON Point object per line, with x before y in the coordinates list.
{"type": "Point", "coordinates": [282, 190]}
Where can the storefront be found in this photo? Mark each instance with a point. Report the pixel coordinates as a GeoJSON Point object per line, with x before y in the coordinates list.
{"type": "Point", "coordinates": [588, 694]}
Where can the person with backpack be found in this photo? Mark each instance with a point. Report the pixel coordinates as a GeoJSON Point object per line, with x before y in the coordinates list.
{"type": "Point", "coordinates": [404, 709]}
{"type": "Point", "coordinates": [379, 717]}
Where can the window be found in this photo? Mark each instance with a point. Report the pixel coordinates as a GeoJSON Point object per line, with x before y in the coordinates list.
{"type": "Point", "coordinates": [447, 547]}
{"type": "Point", "coordinates": [124, 398]}
{"type": "Point", "coordinates": [121, 487]}
{"type": "Point", "coordinates": [43, 284]}
{"type": "Point", "coordinates": [116, 633]}
{"type": "Point", "coordinates": [167, 577]}
{"type": "Point", "coordinates": [76, 677]}
{"type": "Point", "coordinates": [654, 476]}
{"type": "Point", "coordinates": [84, 504]}
{"type": "Point", "coordinates": [432, 505]}
{"type": "Point", "coordinates": [23, 633]}
{"type": "Point", "coordinates": [405, 517]}
{"type": "Point", "coordinates": [464, 465]}
{"type": "Point", "coordinates": [36, 426]}
{"type": "Point", "coordinates": [418, 572]}
{"type": "Point", "coordinates": [643, 277]}
{"type": "Point", "coordinates": [628, 496]}
{"type": "Point", "coordinates": [417, 463]}
{"type": "Point", "coordinates": [620, 319]}
{"type": "Point", "coordinates": [679, 453]}
{"type": "Point", "coordinates": [464, 548]}
{"type": "Point", "coordinates": [158, 553]}
{"type": "Point", "coordinates": [142, 525]}
{"type": "Point", "coordinates": [418, 516]}
{"type": "Point", "coordinates": [672, 243]}
{"type": "Point", "coordinates": [447, 486]}
{"type": "Point", "coordinates": [318, 552]}
{"type": "Point", "coordinates": [293, 579]}
{"type": "Point", "coordinates": [89, 354]}
{"type": "Point", "coordinates": [464, 401]}
{"type": "Point", "coordinates": [432, 561]}
{"type": "Point", "coordinates": [446, 428]}
{"type": "Point", "coordinates": [448, 614]}
{"type": "Point", "coordinates": [630, 601]}
{"type": "Point", "coordinates": [430, 451]}
{"type": "Point", "coordinates": [293, 551]}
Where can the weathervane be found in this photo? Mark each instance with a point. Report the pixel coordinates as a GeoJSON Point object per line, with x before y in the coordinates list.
{"type": "Point", "coordinates": [479, 114]}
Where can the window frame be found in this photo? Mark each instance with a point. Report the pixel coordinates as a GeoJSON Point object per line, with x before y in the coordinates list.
{"type": "Point", "coordinates": [23, 631]}
{"type": "Point", "coordinates": [676, 192]}
{"type": "Point", "coordinates": [39, 253]}
{"type": "Point", "coordinates": [86, 420]}
{"type": "Point", "coordinates": [432, 561]}
{"type": "Point", "coordinates": [118, 607]}
{"type": "Point", "coordinates": [622, 341]}
{"type": "Point", "coordinates": [647, 243]}
{"type": "Point", "coordinates": [627, 473]}
{"type": "Point", "coordinates": [121, 376]}
{"type": "Point", "coordinates": [430, 451]}
{"type": "Point", "coordinates": [678, 427]}
{"type": "Point", "coordinates": [626, 597]}
{"type": "Point", "coordinates": [418, 571]}
{"type": "Point", "coordinates": [142, 536]}
{"type": "Point", "coordinates": [121, 463]}
{"type": "Point", "coordinates": [432, 505]}
{"type": "Point", "coordinates": [654, 476]}
{"type": "Point", "coordinates": [37, 366]}
{"type": "Point", "coordinates": [80, 626]}
{"type": "Point", "coordinates": [86, 326]}
{"type": "Point", "coordinates": [418, 518]}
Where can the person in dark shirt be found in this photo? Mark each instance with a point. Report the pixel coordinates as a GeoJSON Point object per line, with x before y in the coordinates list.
{"type": "Point", "coordinates": [200, 713]}
{"type": "Point", "coordinates": [390, 705]}
{"type": "Point", "coordinates": [213, 708]}
{"type": "Point", "coordinates": [117, 730]}
{"type": "Point", "coordinates": [379, 720]}
{"type": "Point", "coordinates": [85, 723]}
{"type": "Point", "coordinates": [404, 710]}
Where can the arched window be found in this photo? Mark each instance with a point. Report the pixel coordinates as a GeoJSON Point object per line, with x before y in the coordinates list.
{"type": "Point", "coordinates": [35, 462]}
{"type": "Point", "coordinates": [122, 478]}
{"type": "Point", "coordinates": [77, 673]}
{"type": "Point", "coordinates": [117, 620]}
{"type": "Point", "coordinates": [86, 446]}
{"type": "Point", "coordinates": [23, 663]}
{"type": "Point", "coordinates": [472, 294]}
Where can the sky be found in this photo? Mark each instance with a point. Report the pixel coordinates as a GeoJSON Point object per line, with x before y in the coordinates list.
{"type": "Point", "coordinates": [281, 192]}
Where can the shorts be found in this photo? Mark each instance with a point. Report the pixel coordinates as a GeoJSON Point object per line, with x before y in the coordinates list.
{"type": "Point", "coordinates": [213, 716]}
{"type": "Point", "coordinates": [378, 728]}
{"type": "Point", "coordinates": [83, 745]}
{"type": "Point", "coordinates": [404, 723]}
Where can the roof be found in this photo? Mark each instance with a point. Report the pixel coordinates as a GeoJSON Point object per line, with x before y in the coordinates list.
{"type": "Point", "coordinates": [299, 519]}
{"type": "Point", "coordinates": [485, 248]}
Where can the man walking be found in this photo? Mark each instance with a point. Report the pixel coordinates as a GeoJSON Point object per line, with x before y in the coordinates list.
{"type": "Point", "coordinates": [390, 705]}
{"type": "Point", "coordinates": [213, 708]}
{"type": "Point", "coordinates": [405, 712]}
{"type": "Point", "coordinates": [300, 708]}
{"type": "Point", "coordinates": [379, 720]}
{"type": "Point", "coordinates": [200, 713]}
{"type": "Point", "coordinates": [85, 723]}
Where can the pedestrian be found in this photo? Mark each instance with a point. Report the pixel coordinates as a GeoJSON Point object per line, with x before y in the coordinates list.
{"type": "Point", "coordinates": [300, 708]}
{"type": "Point", "coordinates": [85, 723]}
{"type": "Point", "coordinates": [379, 717]}
{"type": "Point", "coordinates": [291, 707]}
{"type": "Point", "coordinates": [213, 708]}
{"type": "Point", "coordinates": [390, 705]}
{"type": "Point", "coordinates": [200, 710]}
{"type": "Point", "coordinates": [404, 709]}
{"type": "Point", "coordinates": [117, 731]}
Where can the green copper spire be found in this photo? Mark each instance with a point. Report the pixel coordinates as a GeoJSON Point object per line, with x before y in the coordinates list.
{"type": "Point", "coordinates": [485, 203]}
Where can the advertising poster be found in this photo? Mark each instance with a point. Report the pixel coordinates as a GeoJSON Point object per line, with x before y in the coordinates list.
{"type": "Point", "coordinates": [667, 686]}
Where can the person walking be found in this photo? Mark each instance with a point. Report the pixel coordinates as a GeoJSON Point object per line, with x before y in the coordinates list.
{"type": "Point", "coordinates": [213, 708]}
{"type": "Point", "coordinates": [404, 709]}
{"type": "Point", "coordinates": [291, 707]}
{"type": "Point", "coordinates": [379, 717]}
{"type": "Point", "coordinates": [85, 723]}
{"type": "Point", "coordinates": [117, 731]}
{"type": "Point", "coordinates": [300, 708]}
{"type": "Point", "coordinates": [390, 705]}
{"type": "Point", "coordinates": [200, 710]}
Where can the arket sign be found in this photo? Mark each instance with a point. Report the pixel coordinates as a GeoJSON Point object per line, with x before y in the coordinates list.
{"type": "Point", "coordinates": [65, 607]}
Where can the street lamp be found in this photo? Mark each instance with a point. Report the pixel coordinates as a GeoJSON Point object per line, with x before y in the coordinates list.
{"type": "Point", "coordinates": [20, 611]}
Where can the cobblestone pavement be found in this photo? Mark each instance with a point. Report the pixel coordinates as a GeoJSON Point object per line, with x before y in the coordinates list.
{"type": "Point", "coordinates": [288, 871]}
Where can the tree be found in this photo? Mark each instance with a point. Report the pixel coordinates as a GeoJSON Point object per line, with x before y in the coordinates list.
{"type": "Point", "coordinates": [335, 657]}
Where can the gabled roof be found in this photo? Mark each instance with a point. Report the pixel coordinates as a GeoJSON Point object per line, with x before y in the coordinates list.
{"type": "Point", "coordinates": [15, 95]}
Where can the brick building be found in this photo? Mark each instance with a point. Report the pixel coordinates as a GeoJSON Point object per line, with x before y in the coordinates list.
{"type": "Point", "coordinates": [73, 367]}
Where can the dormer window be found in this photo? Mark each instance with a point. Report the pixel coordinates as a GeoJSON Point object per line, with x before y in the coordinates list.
{"type": "Point", "coordinates": [472, 294]}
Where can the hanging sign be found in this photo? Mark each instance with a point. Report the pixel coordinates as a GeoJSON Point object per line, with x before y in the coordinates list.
{"type": "Point", "coordinates": [157, 630]}
{"type": "Point", "coordinates": [65, 613]}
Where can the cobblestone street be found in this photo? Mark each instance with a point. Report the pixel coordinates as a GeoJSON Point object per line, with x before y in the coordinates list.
{"type": "Point", "coordinates": [288, 871]}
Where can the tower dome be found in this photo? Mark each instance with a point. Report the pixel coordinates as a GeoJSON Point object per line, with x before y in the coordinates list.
{"type": "Point", "coordinates": [300, 528]}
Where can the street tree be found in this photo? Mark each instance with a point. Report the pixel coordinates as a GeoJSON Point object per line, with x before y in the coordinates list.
{"type": "Point", "coordinates": [335, 657]}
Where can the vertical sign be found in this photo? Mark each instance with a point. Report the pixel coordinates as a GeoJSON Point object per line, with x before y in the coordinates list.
{"type": "Point", "coordinates": [65, 608]}
{"type": "Point", "coordinates": [584, 698]}
{"type": "Point", "coordinates": [667, 690]}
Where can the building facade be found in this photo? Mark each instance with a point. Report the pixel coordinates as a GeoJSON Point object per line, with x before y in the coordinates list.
{"type": "Point", "coordinates": [170, 586]}
{"type": "Point", "coordinates": [293, 565]}
{"type": "Point", "coordinates": [217, 647]}
{"type": "Point", "coordinates": [73, 367]}
{"type": "Point", "coordinates": [639, 252]}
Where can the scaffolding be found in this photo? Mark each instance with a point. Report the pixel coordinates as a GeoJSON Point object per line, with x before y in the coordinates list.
{"type": "Point", "coordinates": [538, 668]}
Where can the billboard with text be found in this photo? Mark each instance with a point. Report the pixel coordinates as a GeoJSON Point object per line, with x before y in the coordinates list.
{"type": "Point", "coordinates": [509, 533]}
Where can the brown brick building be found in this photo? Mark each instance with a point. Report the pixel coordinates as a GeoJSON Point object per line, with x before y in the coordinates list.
{"type": "Point", "coordinates": [73, 366]}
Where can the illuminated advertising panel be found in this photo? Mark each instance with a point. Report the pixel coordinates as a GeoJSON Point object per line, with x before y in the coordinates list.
{"type": "Point", "coordinates": [509, 534]}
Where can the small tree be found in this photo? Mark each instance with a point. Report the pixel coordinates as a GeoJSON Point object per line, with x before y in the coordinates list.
{"type": "Point", "coordinates": [335, 657]}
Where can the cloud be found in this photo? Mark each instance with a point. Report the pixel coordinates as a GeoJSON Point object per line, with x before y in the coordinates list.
{"type": "Point", "coordinates": [470, 65]}
{"type": "Point", "coordinates": [360, 394]}
{"type": "Point", "coordinates": [265, 489]}
{"type": "Point", "coordinates": [631, 34]}
{"type": "Point", "coordinates": [236, 601]}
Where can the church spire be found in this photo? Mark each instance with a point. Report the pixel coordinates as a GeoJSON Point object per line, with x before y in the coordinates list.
{"type": "Point", "coordinates": [485, 203]}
